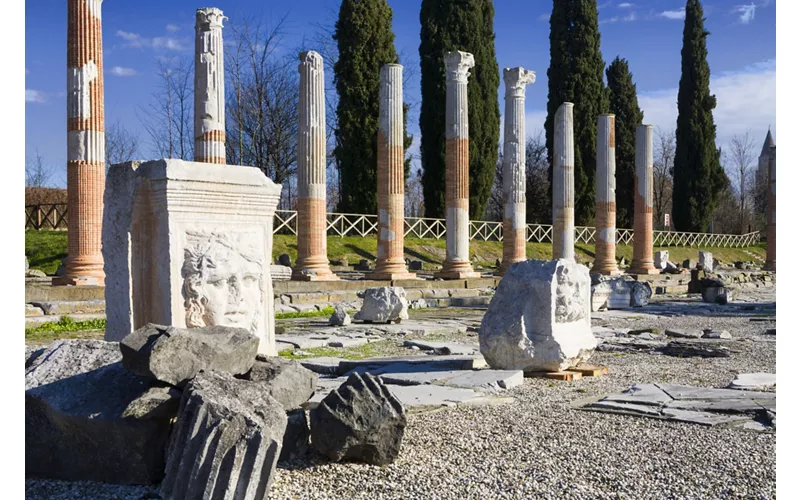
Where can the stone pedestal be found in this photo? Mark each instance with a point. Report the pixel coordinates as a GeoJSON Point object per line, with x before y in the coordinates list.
{"type": "Point", "coordinates": [391, 264]}
{"type": "Point", "coordinates": [209, 87]}
{"type": "Point", "coordinates": [605, 259]}
{"type": "Point", "coordinates": [194, 251]}
{"type": "Point", "coordinates": [770, 263]}
{"type": "Point", "coordinates": [514, 224]}
{"type": "Point", "coordinates": [642, 262]}
{"type": "Point", "coordinates": [564, 185]}
{"type": "Point", "coordinates": [86, 149]}
{"type": "Point", "coordinates": [312, 224]}
{"type": "Point", "coordinates": [457, 264]}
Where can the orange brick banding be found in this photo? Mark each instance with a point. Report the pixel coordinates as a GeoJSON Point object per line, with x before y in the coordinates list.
{"type": "Point", "coordinates": [771, 262]}
{"type": "Point", "coordinates": [564, 184]}
{"type": "Point", "coordinates": [606, 207]}
{"type": "Point", "coordinates": [85, 144]}
{"type": "Point", "coordinates": [642, 261]}
{"type": "Point", "coordinates": [312, 248]}
{"type": "Point", "coordinates": [209, 87]}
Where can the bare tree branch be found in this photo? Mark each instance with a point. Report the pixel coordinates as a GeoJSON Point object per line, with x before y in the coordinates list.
{"type": "Point", "coordinates": [121, 144]}
{"type": "Point", "coordinates": [37, 174]}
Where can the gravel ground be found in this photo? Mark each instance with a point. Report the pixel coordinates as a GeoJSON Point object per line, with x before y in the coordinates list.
{"type": "Point", "coordinates": [540, 447]}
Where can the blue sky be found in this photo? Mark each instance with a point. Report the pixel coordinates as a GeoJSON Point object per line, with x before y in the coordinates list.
{"type": "Point", "coordinates": [742, 52]}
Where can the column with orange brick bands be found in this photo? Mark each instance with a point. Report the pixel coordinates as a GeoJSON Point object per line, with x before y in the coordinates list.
{"type": "Point", "coordinates": [457, 264]}
{"type": "Point", "coordinates": [391, 264]}
{"type": "Point", "coordinates": [514, 223]}
{"type": "Point", "coordinates": [209, 87]}
{"type": "Point", "coordinates": [605, 238]}
{"type": "Point", "coordinates": [642, 261]}
{"type": "Point", "coordinates": [312, 247]}
{"type": "Point", "coordinates": [770, 263]}
{"type": "Point", "coordinates": [564, 184]}
{"type": "Point", "coordinates": [85, 144]}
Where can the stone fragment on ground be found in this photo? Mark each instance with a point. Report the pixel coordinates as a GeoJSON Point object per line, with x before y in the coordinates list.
{"type": "Point", "coordinates": [361, 420]}
{"type": "Point", "coordinates": [323, 365]}
{"type": "Point", "coordinates": [753, 381]}
{"type": "Point", "coordinates": [539, 318]}
{"type": "Point", "coordinates": [287, 381]}
{"type": "Point", "coordinates": [717, 334]}
{"type": "Point", "coordinates": [683, 334]}
{"type": "Point", "coordinates": [280, 272]}
{"type": "Point", "coordinates": [297, 435]}
{"type": "Point", "coordinates": [703, 348]}
{"type": "Point", "coordinates": [226, 441]}
{"type": "Point", "coordinates": [88, 418]}
{"type": "Point", "coordinates": [444, 348]}
{"type": "Point", "coordinates": [383, 305]}
{"type": "Point", "coordinates": [176, 355]}
{"type": "Point", "coordinates": [340, 317]}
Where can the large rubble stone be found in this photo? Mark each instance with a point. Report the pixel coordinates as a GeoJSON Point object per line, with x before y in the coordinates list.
{"type": "Point", "coordinates": [339, 316]}
{"type": "Point", "coordinates": [361, 420]}
{"type": "Point", "coordinates": [88, 418]}
{"type": "Point", "coordinates": [383, 305]}
{"type": "Point", "coordinates": [706, 261]}
{"type": "Point", "coordinates": [226, 441]}
{"type": "Point", "coordinates": [539, 319]}
{"type": "Point", "coordinates": [661, 259]}
{"type": "Point", "coordinates": [287, 381]}
{"type": "Point", "coordinates": [619, 292]}
{"type": "Point", "coordinates": [175, 355]}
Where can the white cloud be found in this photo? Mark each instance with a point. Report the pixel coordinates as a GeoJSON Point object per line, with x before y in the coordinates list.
{"type": "Point", "coordinates": [625, 5]}
{"type": "Point", "coordinates": [746, 12]}
{"type": "Point", "coordinates": [36, 96]}
{"type": "Point", "coordinates": [172, 28]}
{"type": "Point", "coordinates": [544, 17]}
{"type": "Point", "coordinates": [674, 14]}
{"type": "Point", "coordinates": [120, 71]}
{"type": "Point", "coordinates": [136, 40]}
{"type": "Point", "coordinates": [628, 18]}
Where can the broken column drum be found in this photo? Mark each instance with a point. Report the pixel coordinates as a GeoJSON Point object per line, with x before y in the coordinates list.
{"type": "Point", "coordinates": [770, 263]}
{"type": "Point", "coordinates": [514, 223]}
{"type": "Point", "coordinates": [85, 144]}
{"type": "Point", "coordinates": [457, 264]}
{"type": "Point", "coordinates": [564, 185]}
{"type": "Point", "coordinates": [312, 246]}
{"type": "Point", "coordinates": [391, 178]}
{"type": "Point", "coordinates": [209, 87]}
{"type": "Point", "coordinates": [642, 262]}
{"type": "Point", "coordinates": [605, 239]}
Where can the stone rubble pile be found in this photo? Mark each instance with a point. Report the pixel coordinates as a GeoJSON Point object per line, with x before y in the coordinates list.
{"type": "Point", "coordinates": [383, 305]}
{"type": "Point", "coordinates": [622, 292]}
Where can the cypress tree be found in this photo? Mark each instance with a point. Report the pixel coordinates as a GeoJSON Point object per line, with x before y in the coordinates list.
{"type": "Point", "coordinates": [576, 75]}
{"type": "Point", "coordinates": [366, 42]}
{"type": "Point", "coordinates": [466, 25]}
{"type": "Point", "coordinates": [624, 104]}
{"type": "Point", "coordinates": [699, 178]}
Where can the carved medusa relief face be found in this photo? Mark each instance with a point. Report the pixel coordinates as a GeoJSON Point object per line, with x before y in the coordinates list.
{"type": "Point", "coordinates": [223, 283]}
{"type": "Point", "coordinates": [570, 297]}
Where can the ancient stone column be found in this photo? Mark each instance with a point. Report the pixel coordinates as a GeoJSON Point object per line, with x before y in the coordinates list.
{"type": "Point", "coordinates": [514, 224]}
{"type": "Point", "coordinates": [457, 264]}
{"type": "Point", "coordinates": [391, 179]}
{"type": "Point", "coordinates": [605, 237]}
{"type": "Point", "coordinates": [312, 243]}
{"type": "Point", "coordinates": [564, 185]}
{"type": "Point", "coordinates": [86, 149]}
{"type": "Point", "coordinates": [770, 264]}
{"type": "Point", "coordinates": [642, 262]}
{"type": "Point", "coordinates": [209, 87]}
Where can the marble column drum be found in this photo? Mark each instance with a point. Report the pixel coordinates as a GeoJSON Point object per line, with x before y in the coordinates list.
{"type": "Point", "coordinates": [514, 223]}
{"type": "Point", "coordinates": [209, 87]}
{"type": "Point", "coordinates": [391, 264]}
{"type": "Point", "coordinates": [770, 263]}
{"type": "Point", "coordinates": [457, 264]}
{"type": "Point", "coordinates": [564, 184]}
{"type": "Point", "coordinates": [312, 244]}
{"type": "Point", "coordinates": [85, 145]}
{"type": "Point", "coordinates": [605, 238]}
{"type": "Point", "coordinates": [642, 262]}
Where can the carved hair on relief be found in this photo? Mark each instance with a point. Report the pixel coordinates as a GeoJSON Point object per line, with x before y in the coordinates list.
{"type": "Point", "coordinates": [223, 281]}
{"type": "Point", "coordinates": [571, 297]}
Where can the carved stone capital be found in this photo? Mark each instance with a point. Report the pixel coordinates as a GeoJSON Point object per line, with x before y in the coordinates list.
{"type": "Point", "coordinates": [209, 18]}
{"type": "Point", "coordinates": [516, 79]}
{"type": "Point", "coordinates": [310, 58]}
{"type": "Point", "coordinates": [457, 65]}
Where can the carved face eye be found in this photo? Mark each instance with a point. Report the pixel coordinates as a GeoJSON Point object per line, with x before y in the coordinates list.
{"type": "Point", "coordinates": [217, 283]}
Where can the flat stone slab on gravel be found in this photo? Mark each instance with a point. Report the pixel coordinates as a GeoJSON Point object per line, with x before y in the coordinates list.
{"type": "Point", "coordinates": [451, 362]}
{"type": "Point", "coordinates": [753, 381]}
{"type": "Point", "coordinates": [456, 348]}
{"type": "Point", "coordinates": [324, 365]}
{"type": "Point", "coordinates": [683, 334]}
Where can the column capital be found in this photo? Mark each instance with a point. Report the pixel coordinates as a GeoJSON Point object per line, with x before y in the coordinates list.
{"type": "Point", "coordinates": [311, 59]}
{"type": "Point", "coordinates": [516, 79]}
{"type": "Point", "coordinates": [457, 65]}
{"type": "Point", "coordinates": [209, 18]}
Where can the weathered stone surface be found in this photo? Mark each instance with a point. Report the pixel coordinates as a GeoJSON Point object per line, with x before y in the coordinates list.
{"type": "Point", "coordinates": [226, 441]}
{"type": "Point", "coordinates": [88, 418]}
{"type": "Point", "coordinates": [540, 318]}
{"type": "Point", "coordinates": [175, 355]}
{"type": "Point", "coordinates": [706, 261]}
{"type": "Point", "coordinates": [361, 420]}
{"type": "Point", "coordinates": [683, 334]}
{"type": "Point", "coordinates": [280, 273]}
{"type": "Point", "coordinates": [640, 294]}
{"type": "Point", "coordinates": [753, 381]}
{"type": "Point", "coordinates": [661, 259]}
{"type": "Point", "coordinates": [287, 381]}
{"type": "Point", "coordinates": [296, 437]}
{"type": "Point", "coordinates": [619, 293]}
{"type": "Point", "coordinates": [35, 273]}
{"type": "Point", "coordinates": [717, 334]}
{"type": "Point", "coordinates": [687, 349]}
{"type": "Point", "coordinates": [339, 316]}
{"type": "Point", "coordinates": [643, 394]}
{"type": "Point", "coordinates": [383, 304]}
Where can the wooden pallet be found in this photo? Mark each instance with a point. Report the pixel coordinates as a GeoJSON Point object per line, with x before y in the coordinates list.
{"type": "Point", "coordinates": [572, 374]}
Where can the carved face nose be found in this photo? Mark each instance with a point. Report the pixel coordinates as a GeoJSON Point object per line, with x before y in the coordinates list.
{"type": "Point", "coordinates": [235, 288]}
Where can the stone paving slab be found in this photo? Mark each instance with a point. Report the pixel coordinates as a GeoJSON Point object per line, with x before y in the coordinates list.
{"type": "Point", "coordinates": [644, 394]}
{"type": "Point", "coordinates": [456, 348]}
{"type": "Point", "coordinates": [686, 392]}
{"type": "Point", "coordinates": [451, 362]}
{"type": "Point", "coordinates": [744, 381]}
{"type": "Point", "coordinates": [323, 365]}
{"type": "Point", "coordinates": [703, 417]}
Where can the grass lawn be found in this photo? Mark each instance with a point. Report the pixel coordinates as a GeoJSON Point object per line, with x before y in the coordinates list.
{"type": "Point", "coordinates": [45, 249]}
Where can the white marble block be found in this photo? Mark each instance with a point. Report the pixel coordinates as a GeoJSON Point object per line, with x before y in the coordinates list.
{"type": "Point", "coordinates": [706, 261]}
{"type": "Point", "coordinates": [196, 249]}
{"type": "Point", "coordinates": [661, 259]}
{"type": "Point", "coordinates": [539, 318]}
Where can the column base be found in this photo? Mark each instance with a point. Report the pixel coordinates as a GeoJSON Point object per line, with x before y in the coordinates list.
{"type": "Point", "coordinates": [78, 281]}
{"type": "Point", "coordinates": [313, 275]}
{"type": "Point", "coordinates": [769, 266]}
{"type": "Point", "coordinates": [643, 269]}
{"type": "Point", "coordinates": [606, 270]}
{"type": "Point", "coordinates": [390, 276]}
{"type": "Point", "coordinates": [456, 275]}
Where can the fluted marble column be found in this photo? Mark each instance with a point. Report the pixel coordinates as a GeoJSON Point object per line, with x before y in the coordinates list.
{"type": "Point", "coordinates": [209, 87]}
{"type": "Point", "coordinates": [514, 223]}
{"type": "Point", "coordinates": [564, 184]}
{"type": "Point", "coordinates": [642, 262]}
{"type": "Point", "coordinates": [770, 263]}
{"type": "Point", "coordinates": [86, 149]}
{"type": "Point", "coordinates": [457, 264]}
{"type": "Point", "coordinates": [391, 264]}
{"type": "Point", "coordinates": [312, 243]}
{"type": "Point", "coordinates": [605, 238]}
